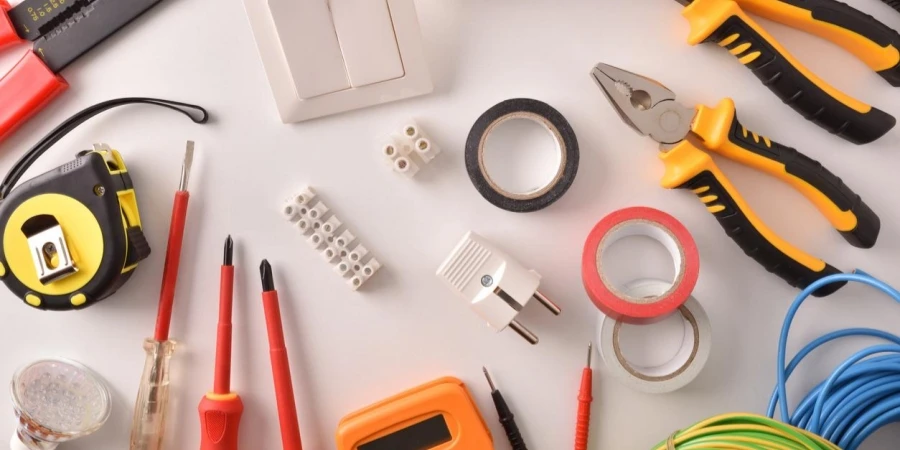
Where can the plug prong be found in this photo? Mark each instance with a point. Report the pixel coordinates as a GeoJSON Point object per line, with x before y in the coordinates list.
{"type": "Point", "coordinates": [547, 303]}
{"type": "Point", "coordinates": [524, 332]}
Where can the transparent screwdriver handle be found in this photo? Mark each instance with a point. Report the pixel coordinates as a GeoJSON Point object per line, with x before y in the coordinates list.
{"type": "Point", "coordinates": [149, 426]}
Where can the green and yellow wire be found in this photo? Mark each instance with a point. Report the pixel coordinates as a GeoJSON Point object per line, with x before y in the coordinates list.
{"type": "Point", "coordinates": [744, 432]}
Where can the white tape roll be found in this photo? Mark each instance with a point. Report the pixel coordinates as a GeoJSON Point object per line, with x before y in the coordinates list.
{"type": "Point", "coordinates": [670, 375]}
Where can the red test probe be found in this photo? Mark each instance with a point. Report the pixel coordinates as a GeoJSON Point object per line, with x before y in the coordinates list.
{"type": "Point", "coordinates": [281, 368]}
{"type": "Point", "coordinates": [221, 409]}
{"type": "Point", "coordinates": [585, 397]}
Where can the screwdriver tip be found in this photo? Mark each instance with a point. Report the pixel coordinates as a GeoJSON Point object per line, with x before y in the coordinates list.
{"type": "Point", "coordinates": [186, 166]}
{"type": "Point", "coordinates": [265, 273]}
{"type": "Point", "coordinates": [229, 251]}
{"type": "Point", "coordinates": [489, 380]}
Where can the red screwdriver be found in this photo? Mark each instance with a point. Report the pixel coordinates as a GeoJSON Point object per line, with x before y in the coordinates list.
{"type": "Point", "coordinates": [221, 409]}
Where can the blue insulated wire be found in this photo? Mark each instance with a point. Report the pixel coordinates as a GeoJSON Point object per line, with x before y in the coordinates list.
{"type": "Point", "coordinates": [861, 395]}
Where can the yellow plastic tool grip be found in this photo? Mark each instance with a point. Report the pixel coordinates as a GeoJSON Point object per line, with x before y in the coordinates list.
{"type": "Point", "coordinates": [725, 23]}
{"type": "Point", "coordinates": [722, 133]}
{"type": "Point", "coordinates": [688, 167]}
{"type": "Point", "coordinates": [870, 40]}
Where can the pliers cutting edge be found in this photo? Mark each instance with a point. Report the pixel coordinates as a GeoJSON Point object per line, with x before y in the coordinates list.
{"type": "Point", "coordinates": [650, 108]}
{"type": "Point", "coordinates": [62, 31]}
{"type": "Point", "coordinates": [725, 23]}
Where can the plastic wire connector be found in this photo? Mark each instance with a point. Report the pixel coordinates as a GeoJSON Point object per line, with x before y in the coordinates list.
{"type": "Point", "coordinates": [861, 396]}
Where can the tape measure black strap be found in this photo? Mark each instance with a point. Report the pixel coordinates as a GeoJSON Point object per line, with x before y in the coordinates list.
{"type": "Point", "coordinates": [543, 114]}
{"type": "Point", "coordinates": [196, 113]}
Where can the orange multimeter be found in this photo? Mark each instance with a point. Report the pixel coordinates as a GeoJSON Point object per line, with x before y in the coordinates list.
{"type": "Point", "coordinates": [440, 415]}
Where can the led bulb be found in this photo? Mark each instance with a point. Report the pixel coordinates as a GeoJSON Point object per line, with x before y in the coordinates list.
{"type": "Point", "coordinates": [57, 400]}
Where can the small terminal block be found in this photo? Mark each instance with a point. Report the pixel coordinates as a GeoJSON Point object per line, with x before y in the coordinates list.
{"type": "Point", "coordinates": [326, 233]}
{"type": "Point", "coordinates": [409, 150]}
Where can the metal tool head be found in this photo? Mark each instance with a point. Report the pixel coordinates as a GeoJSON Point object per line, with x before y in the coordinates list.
{"type": "Point", "coordinates": [644, 104]}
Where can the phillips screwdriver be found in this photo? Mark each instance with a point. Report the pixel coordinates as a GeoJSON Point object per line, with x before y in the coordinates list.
{"type": "Point", "coordinates": [585, 397]}
{"type": "Point", "coordinates": [281, 368]}
{"type": "Point", "coordinates": [221, 409]}
{"type": "Point", "coordinates": [149, 425]}
{"type": "Point", "coordinates": [507, 418]}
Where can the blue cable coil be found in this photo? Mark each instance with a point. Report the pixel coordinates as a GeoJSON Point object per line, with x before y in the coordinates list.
{"type": "Point", "coordinates": [861, 396]}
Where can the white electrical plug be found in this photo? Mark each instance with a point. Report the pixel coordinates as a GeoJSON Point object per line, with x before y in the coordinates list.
{"type": "Point", "coordinates": [496, 286]}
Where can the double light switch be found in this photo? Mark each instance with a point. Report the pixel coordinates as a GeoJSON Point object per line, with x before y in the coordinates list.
{"type": "Point", "coordinates": [328, 56]}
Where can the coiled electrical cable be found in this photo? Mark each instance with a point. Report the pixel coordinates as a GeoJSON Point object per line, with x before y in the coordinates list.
{"type": "Point", "coordinates": [861, 396]}
{"type": "Point", "coordinates": [743, 432]}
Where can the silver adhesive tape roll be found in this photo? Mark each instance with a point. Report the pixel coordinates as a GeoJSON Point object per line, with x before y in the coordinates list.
{"type": "Point", "coordinates": [670, 375]}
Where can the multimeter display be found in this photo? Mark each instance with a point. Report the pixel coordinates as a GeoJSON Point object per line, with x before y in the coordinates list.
{"type": "Point", "coordinates": [424, 435]}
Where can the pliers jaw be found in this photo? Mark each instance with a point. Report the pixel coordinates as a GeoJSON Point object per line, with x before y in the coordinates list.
{"type": "Point", "coordinates": [645, 104]}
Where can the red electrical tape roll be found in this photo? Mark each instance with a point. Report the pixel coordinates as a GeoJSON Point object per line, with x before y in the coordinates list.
{"type": "Point", "coordinates": [640, 221]}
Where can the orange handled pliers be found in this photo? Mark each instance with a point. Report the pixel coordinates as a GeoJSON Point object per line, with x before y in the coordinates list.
{"type": "Point", "coordinates": [650, 108]}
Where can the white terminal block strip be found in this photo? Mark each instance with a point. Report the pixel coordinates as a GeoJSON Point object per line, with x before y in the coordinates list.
{"type": "Point", "coordinates": [327, 235]}
{"type": "Point", "coordinates": [494, 285]}
{"type": "Point", "coordinates": [409, 150]}
{"type": "Point", "coordinates": [324, 57]}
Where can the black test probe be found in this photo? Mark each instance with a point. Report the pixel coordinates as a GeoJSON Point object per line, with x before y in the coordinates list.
{"type": "Point", "coordinates": [507, 418]}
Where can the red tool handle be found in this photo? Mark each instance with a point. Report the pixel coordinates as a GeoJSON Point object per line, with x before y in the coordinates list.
{"type": "Point", "coordinates": [220, 419]}
{"type": "Point", "coordinates": [281, 371]}
{"type": "Point", "coordinates": [170, 269]}
{"type": "Point", "coordinates": [585, 397]}
{"type": "Point", "coordinates": [8, 34]}
{"type": "Point", "coordinates": [25, 90]}
{"type": "Point", "coordinates": [222, 384]}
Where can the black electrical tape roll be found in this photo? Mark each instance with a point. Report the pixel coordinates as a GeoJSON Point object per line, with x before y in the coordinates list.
{"type": "Point", "coordinates": [543, 114]}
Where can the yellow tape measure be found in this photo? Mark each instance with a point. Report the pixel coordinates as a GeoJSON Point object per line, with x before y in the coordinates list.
{"type": "Point", "coordinates": [73, 236]}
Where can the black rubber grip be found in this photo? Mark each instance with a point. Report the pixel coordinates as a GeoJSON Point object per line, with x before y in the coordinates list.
{"type": "Point", "coordinates": [868, 224]}
{"type": "Point", "coordinates": [739, 228]}
{"type": "Point", "coordinates": [513, 434]}
{"type": "Point", "coordinates": [798, 91]}
{"type": "Point", "coordinates": [847, 17]}
{"type": "Point", "coordinates": [508, 420]}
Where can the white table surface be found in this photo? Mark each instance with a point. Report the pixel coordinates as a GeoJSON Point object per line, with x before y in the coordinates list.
{"type": "Point", "coordinates": [351, 349]}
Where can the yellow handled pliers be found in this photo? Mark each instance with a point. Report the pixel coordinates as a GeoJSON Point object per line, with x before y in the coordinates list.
{"type": "Point", "coordinates": [726, 23]}
{"type": "Point", "coordinates": [650, 108]}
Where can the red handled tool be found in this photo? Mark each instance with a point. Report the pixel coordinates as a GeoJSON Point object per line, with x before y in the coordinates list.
{"type": "Point", "coordinates": [281, 368]}
{"type": "Point", "coordinates": [149, 424]}
{"type": "Point", "coordinates": [585, 397]}
{"type": "Point", "coordinates": [62, 30]}
{"type": "Point", "coordinates": [221, 409]}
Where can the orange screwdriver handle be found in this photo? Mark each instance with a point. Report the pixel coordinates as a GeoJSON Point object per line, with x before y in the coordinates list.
{"type": "Point", "coordinates": [220, 419]}
{"type": "Point", "coordinates": [585, 397]}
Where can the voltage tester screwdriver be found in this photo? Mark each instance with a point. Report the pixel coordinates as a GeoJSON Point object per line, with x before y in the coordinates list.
{"type": "Point", "coordinates": [149, 425]}
{"type": "Point", "coordinates": [62, 31]}
{"type": "Point", "coordinates": [725, 23]}
{"type": "Point", "coordinates": [221, 409]}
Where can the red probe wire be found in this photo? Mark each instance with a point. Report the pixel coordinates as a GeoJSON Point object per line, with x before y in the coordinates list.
{"type": "Point", "coordinates": [173, 249]}
{"type": "Point", "coordinates": [281, 368]}
{"type": "Point", "coordinates": [585, 397]}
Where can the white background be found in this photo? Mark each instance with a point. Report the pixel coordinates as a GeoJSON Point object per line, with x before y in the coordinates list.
{"type": "Point", "coordinates": [351, 349]}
